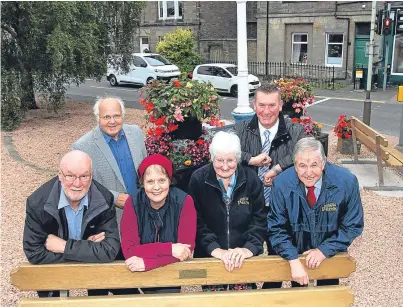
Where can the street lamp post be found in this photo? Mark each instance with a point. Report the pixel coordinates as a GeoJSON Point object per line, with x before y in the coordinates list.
{"type": "Point", "coordinates": [243, 111]}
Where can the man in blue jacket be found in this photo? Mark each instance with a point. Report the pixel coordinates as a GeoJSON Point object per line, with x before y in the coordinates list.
{"type": "Point", "coordinates": [315, 210]}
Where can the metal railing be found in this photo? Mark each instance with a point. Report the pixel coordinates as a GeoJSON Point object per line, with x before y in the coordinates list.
{"type": "Point", "coordinates": [317, 75]}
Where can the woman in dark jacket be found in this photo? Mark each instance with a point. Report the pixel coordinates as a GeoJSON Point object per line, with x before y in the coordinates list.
{"type": "Point", "coordinates": [229, 201]}
{"type": "Point", "coordinates": [158, 226]}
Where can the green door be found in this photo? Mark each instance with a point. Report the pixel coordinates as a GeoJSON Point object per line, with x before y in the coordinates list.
{"type": "Point", "coordinates": [360, 59]}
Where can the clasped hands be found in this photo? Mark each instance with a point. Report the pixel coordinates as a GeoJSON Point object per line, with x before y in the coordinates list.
{"type": "Point", "coordinates": [314, 258]}
{"type": "Point", "coordinates": [264, 159]}
{"type": "Point", "coordinates": [179, 251]}
{"type": "Point", "coordinates": [232, 258]}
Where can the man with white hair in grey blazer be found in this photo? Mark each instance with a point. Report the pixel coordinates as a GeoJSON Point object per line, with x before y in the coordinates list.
{"type": "Point", "coordinates": [116, 150]}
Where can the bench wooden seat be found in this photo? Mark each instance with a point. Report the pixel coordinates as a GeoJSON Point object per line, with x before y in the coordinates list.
{"type": "Point", "coordinates": [68, 276]}
{"type": "Point", "coordinates": [379, 145]}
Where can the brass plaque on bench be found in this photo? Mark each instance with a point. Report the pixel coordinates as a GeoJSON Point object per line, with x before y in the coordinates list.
{"type": "Point", "coordinates": [187, 274]}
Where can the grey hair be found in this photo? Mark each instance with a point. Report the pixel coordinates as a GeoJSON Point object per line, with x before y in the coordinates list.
{"type": "Point", "coordinates": [100, 99]}
{"type": "Point", "coordinates": [309, 144]}
{"type": "Point", "coordinates": [225, 142]}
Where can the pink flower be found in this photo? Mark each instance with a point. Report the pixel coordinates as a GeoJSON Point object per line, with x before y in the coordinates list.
{"type": "Point", "coordinates": [178, 115]}
{"type": "Point", "coordinates": [297, 110]}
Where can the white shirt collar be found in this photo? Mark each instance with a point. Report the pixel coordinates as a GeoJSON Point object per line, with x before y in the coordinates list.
{"type": "Point", "coordinates": [273, 131]}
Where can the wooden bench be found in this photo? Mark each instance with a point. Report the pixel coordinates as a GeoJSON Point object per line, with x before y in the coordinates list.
{"type": "Point", "coordinates": [379, 145]}
{"type": "Point", "coordinates": [67, 276]}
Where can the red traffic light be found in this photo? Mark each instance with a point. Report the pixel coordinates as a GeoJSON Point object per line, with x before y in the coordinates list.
{"type": "Point", "coordinates": [387, 23]}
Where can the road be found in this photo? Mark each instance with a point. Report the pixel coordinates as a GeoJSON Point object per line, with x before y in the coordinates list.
{"type": "Point", "coordinates": [385, 117]}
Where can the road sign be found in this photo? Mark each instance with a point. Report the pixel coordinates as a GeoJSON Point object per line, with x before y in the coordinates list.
{"type": "Point", "coordinates": [376, 49]}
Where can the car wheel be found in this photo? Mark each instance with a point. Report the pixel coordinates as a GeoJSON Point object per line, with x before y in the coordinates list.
{"type": "Point", "coordinates": [113, 81]}
{"type": "Point", "coordinates": [149, 80]}
{"type": "Point", "coordinates": [234, 90]}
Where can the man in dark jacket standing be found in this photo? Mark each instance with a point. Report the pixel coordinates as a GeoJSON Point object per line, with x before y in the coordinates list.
{"type": "Point", "coordinates": [267, 142]}
{"type": "Point", "coordinates": [315, 210]}
{"type": "Point", "coordinates": [268, 139]}
{"type": "Point", "coordinates": [71, 218]}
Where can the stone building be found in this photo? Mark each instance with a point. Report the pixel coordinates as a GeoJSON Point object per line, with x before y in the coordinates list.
{"type": "Point", "coordinates": [326, 33]}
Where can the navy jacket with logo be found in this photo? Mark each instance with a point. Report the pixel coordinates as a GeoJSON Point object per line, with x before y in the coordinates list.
{"type": "Point", "coordinates": [241, 224]}
{"type": "Point", "coordinates": [331, 225]}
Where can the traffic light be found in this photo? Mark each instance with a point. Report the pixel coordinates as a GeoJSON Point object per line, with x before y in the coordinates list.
{"type": "Point", "coordinates": [387, 25]}
{"type": "Point", "coordinates": [399, 21]}
{"type": "Point", "coordinates": [378, 22]}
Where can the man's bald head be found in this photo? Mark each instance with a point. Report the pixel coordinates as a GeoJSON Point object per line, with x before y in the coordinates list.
{"type": "Point", "coordinates": [76, 158]}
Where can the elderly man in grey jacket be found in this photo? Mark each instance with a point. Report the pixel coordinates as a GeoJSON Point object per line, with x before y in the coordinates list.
{"type": "Point", "coordinates": [116, 150]}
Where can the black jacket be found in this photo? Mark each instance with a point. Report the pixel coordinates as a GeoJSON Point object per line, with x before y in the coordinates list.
{"type": "Point", "coordinates": [282, 146]}
{"type": "Point", "coordinates": [43, 218]}
{"type": "Point", "coordinates": [242, 225]}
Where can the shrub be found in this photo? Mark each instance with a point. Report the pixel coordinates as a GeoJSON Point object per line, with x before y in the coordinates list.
{"type": "Point", "coordinates": [11, 111]}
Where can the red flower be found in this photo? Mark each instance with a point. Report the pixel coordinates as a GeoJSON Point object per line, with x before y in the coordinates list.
{"type": "Point", "coordinates": [200, 142]}
{"type": "Point", "coordinates": [160, 121]}
{"type": "Point", "coordinates": [143, 102]}
{"type": "Point", "coordinates": [177, 83]}
{"type": "Point", "coordinates": [152, 119]}
{"type": "Point", "coordinates": [347, 135]}
{"type": "Point", "coordinates": [159, 131]}
{"type": "Point", "coordinates": [149, 106]}
{"type": "Point", "coordinates": [172, 127]}
{"type": "Point", "coordinates": [150, 131]}
{"type": "Point", "coordinates": [339, 135]}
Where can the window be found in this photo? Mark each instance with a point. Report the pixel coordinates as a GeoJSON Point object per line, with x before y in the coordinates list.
{"type": "Point", "coordinates": [170, 9]}
{"type": "Point", "coordinates": [204, 70]}
{"type": "Point", "coordinates": [397, 57]}
{"type": "Point", "coordinates": [219, 72]}
{"type": "Point", "coordinates": [156, 60]}
{"type": "Point", "coordinates": [139, 62]}
{"type": "Point", "coordinates": [334, 49]}
{"type": "Point", "coordinates": [299, 48]}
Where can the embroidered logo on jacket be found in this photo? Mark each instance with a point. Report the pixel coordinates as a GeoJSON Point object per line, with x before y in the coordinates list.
{"type": "Point", "coordinates": [243, 201]}
{"type": "Point", "coordinates": [329, 207]}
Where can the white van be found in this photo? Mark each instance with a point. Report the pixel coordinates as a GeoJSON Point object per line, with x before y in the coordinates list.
{"type": "Point", "coordinates": [144, 68]}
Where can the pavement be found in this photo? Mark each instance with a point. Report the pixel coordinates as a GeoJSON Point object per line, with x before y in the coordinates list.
{"type": "Point", "coordinates": [349, 93]}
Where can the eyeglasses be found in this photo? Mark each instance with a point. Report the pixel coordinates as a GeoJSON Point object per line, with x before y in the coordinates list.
{"type": "Point", "coordinates": [109, 117]}
{"type": "Point", "coordinates": [72, 178]}
{"type": "Point", "coordinates": [221, 162]}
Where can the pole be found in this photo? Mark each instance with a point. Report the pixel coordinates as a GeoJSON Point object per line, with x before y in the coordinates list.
{"type": "Point", "coordinates": [367, 101]}
{"type": "Point", "coordinates": [267, 36]}
{"type": "Point", "coordinates": [243, 106]}
{"type": "Point", "coordinates": [385, 71]}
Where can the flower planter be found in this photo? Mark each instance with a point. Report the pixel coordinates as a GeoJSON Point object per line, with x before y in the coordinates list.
{"type": "Point", "coordinates": [324, 139]}
{"type": "Point", "coordinates": [290, 111]}
{"type": "Point", "coordinates": [190, 128]}
{"type": "Point", "coordinates": [346, 146]}
{"type": "Point", "coordinates": [182, 176]}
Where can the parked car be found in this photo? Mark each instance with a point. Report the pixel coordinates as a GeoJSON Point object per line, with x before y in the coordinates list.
{"type": "Point", "coordinates": [224, 77]}
{"type": "Point", "coordinates": [145, 67]}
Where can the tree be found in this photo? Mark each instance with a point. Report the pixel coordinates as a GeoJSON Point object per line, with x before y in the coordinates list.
{"type": "Point", "coordinates": [179, 48]}
{"type": "Point", "coordinates": [52, 44]}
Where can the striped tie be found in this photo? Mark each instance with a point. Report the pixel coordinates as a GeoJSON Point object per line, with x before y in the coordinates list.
{"type": "Point", "coordinates": [264, 169]}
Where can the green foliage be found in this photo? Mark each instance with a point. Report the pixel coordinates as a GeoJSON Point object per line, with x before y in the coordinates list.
{"type": "Point", "coordinates": [11, 112]}
{"type": "Point", "coordinates": [55, 43]}
{"type": "Point", "coordinates": [179, 48]}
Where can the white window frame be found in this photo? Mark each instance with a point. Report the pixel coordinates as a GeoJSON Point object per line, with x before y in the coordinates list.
{"type": "Point", "coordinates": [393, 57]}
{"type": "Point", "coordinates": [327, 49]}
{"type": "Point", "coordinates": [292, 46]}
{"type": "Point", "coordinates": [164, 10]}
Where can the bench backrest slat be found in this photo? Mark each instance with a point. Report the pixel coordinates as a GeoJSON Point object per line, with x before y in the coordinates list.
{"type": "Point", "coordinates": [370, 143]}
{"type": "Point", "coordinates": [371, 133]}
{"type": "Point", "coordinates": [330, 296]}
{"type": "Point", "coordinates": [67, 276]}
